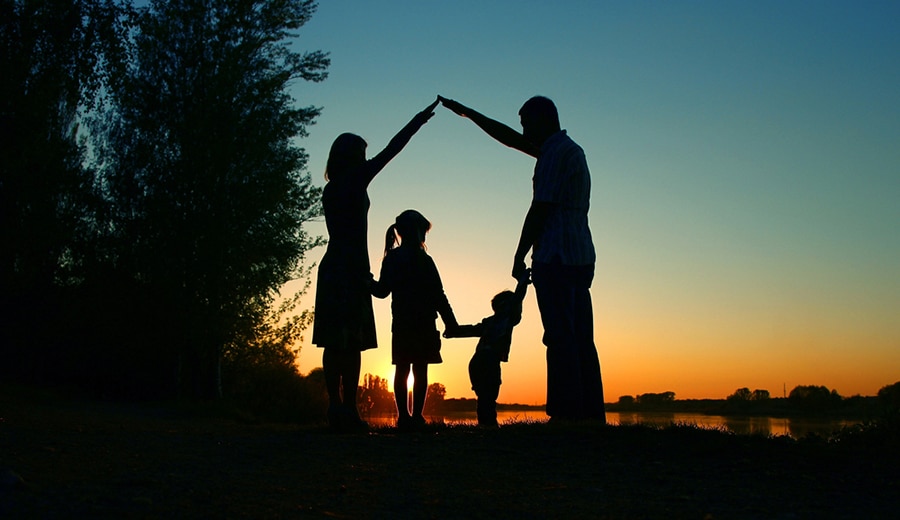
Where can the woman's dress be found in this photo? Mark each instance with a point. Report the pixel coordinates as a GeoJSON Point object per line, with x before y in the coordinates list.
{"type": "Point", "coordinates": [344, 318]}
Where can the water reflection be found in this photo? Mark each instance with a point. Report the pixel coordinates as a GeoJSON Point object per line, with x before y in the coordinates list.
{"type": "Point", "coordinates": [750, 425]}
{"type": "Point", "coordinates": [742, 425]}
{"type": "Point", "coordinates": [796, 428]}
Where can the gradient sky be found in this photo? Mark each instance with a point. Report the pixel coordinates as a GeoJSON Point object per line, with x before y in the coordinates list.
{"type": "Point", "coordinates": [745, 164]}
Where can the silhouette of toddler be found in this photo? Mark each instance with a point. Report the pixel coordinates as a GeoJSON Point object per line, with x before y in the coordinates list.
{"type": "Point", "coordinates": [495, 337]}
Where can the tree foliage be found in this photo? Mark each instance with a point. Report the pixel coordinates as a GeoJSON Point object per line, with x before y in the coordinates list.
{"type": "Point", "coordinates": [375, 398]}
{"type": "Point", "coordinates": [434, 399]}
{"type": "Point", "coordinates": [55, 56]}
{"type": "Point", "coordinates": [656, 399]}
{"type": "Point", "coordinates": [760, 395]}
{"type": "Point", "coordinates": [626, 400]}
{"type": "Point", "coordinates": [741, 394]}
{"type": "Point", "coordinates": [745, 395]}
{"type": "Point", "coordinates": [154, 239]}
{"type": "Point", "coordinates": [889, 399]}
{"type": "Point", "coordinates": [814, 398]}
{"type": "Point", "coordinates": [51, 67]}
{"type": "Point", "coordinates": [203, 177]}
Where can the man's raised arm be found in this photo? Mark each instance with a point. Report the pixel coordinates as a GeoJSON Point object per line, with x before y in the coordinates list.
{"type": "Point", "coordinates": [499, 131]}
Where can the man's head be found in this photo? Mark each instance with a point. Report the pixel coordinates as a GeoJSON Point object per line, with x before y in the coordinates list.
{"type": "Point", "coordinates": [539, 119]}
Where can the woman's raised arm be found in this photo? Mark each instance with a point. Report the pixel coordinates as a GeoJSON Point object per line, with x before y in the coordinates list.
{"type": "Point", "coordinates": [399, 141]}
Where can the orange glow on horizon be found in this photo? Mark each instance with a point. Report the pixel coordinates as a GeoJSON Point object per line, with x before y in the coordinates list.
{"type": "Point", "coordinates": [651, 341]}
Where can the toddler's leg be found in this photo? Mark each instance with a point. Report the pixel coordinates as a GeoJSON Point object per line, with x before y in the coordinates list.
{"type": "Point", "coordinates": [484, 372]}
{"type": "Point", "coordinates": [487, 405]}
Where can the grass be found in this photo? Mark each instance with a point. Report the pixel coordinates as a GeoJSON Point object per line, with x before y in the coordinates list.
{"type": "Point", "coordinates": [76, 458]}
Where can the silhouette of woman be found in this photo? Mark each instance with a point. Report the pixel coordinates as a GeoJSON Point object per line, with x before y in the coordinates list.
{"type": "Point", "coordinates": [409, 273]}
{"type": "Point", "coordinates": [344, 322]}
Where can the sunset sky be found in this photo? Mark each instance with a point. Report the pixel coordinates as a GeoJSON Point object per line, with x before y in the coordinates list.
{"type": "Point", "coordinates": [745, 159]}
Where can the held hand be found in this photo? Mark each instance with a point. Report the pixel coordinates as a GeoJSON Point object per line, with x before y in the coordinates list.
{"type": "Point", "coordinates": [520, 269]}
{"type": "Point", "coordinates": [455, 107]}
{"type": "Point", "coordinates": [450, 332]}
{"type": "Point", "coordinates": [524, 276]}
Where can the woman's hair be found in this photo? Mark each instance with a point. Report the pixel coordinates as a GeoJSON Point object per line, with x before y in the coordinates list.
{"type": "Point", "coordinates": [347, 152]}
{"type": "Point", "coordinates": [409, 226]}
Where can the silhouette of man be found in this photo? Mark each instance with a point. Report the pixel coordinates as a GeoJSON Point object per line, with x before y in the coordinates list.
{"type": "Point", "coordinates": [557, 234]}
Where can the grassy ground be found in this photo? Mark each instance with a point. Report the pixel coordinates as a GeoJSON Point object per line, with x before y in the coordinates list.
{"type": "Point", "coordinates": [81, 459]}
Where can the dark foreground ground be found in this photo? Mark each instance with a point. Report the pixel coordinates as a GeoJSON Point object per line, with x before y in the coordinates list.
{"type": "Point", "coordinates": [77, 459]}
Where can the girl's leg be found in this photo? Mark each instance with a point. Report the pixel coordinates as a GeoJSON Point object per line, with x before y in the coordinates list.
{"type": "Point", "coordinates": [400, 391]}
{"type": "Point", "coordinates": [420, 389]}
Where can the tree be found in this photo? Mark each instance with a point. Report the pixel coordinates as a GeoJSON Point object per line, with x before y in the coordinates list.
{"type": "Point", "coordinates": [889, 399]}
{"type": "Point", "coordinates": [760, 395]}
{"type": "Point", "coordinates": [269, 346]}
{"type": "Point", "coordinates": [205, 184]}
{"type": "Point", "coordinates": [434, 399]}
{"type": "Point", "coordinates": [814, 398]}
{"type": "Point", "coordinates": [660, 399]}
{"type": "Point", "coordinates": [626, 400]}
{"type": "Point", "coordinates": [741, 394]}
{"type": "Point", "coordinates": [375, 398]}
{"type": "Point", "coordinates": [54, 55]}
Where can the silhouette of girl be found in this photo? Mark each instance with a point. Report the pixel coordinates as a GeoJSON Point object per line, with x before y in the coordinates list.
{"type": "Point", "coordinates": [344, 323]}
{"type": "Point", "coordinates": [410, 275]}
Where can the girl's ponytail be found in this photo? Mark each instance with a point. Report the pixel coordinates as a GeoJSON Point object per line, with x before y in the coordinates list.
{"type": "Point", "coordinates": [390, 238]}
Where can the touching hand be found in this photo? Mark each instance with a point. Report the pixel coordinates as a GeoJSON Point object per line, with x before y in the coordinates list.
{"type": "Point", "coordinates": [423, 116]}
{"type": "Point", "coordinates": [455, 107]}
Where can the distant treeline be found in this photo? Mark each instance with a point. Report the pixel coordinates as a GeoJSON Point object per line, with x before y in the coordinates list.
{"type": "Point", "coordinates": [463, 404]}
{"type": "Point", "coordinates": [802, 400]}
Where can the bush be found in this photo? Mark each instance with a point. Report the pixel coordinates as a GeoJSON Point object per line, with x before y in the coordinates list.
{"type": "Point", "coordinates": [278, 393]}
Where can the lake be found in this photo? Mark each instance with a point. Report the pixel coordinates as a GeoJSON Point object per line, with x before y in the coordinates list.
{"type": "Point", "coordinates": [743, 425]}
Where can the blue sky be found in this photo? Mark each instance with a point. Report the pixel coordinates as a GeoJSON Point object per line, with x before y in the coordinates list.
{"type": "Point", "coordinates": [745, 164]}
